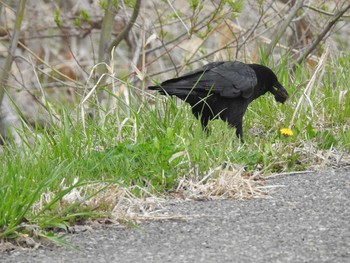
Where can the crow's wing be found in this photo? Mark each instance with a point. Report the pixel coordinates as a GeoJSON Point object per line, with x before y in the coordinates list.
{"type": "Point", "coordinates": [229, 79]}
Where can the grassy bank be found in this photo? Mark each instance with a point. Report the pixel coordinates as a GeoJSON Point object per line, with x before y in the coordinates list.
{"type": "Point", "coordinates": [148, 146]}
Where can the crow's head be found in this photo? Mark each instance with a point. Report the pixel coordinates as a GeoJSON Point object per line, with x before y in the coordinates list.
{"type": "Point", "coordinates": [280, 93]}
{"type": "Point", "coordinates": [268, 80]}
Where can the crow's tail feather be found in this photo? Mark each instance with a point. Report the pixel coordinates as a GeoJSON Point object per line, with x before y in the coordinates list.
{"type": "Point", "coordinates": [154, 88]}
{"type": "Point", "coordinates": [157, 88]}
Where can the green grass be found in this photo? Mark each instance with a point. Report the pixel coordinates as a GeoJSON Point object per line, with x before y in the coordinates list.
{"type": "Point", "coordinates": [155, 142]}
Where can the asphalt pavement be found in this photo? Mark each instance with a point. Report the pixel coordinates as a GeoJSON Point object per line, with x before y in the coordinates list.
{"type": "Point", "coordinates": [305, 219]}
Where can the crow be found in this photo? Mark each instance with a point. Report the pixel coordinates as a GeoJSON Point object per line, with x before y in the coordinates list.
{"type": "Point", "coordinates": [223, 90]}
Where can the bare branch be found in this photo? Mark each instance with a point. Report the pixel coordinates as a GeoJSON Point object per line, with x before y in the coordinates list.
{"type": "Point", "coordinates": [322, 11]}
{"type": "Point", "coordinates": [13, 45]}
{"type": "Point", "coordinates": [282, 29]}
{"type": "Point", "coordinates": [106, 31]}
{"type": "Point", "coordinates": [126, 30]}
{"type": "Point", "coordinates": [321, 36]}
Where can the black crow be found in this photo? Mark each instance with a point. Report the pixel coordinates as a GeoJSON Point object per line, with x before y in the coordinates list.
{"type": "Point", "coordinates": [223, 90]}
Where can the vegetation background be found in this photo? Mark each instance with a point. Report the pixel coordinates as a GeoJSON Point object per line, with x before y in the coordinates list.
{"type": "Point", "coordinates": [83, 139]}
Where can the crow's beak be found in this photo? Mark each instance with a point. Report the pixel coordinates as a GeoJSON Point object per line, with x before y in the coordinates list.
{"type": "Point", "coordinates": [281, 94]}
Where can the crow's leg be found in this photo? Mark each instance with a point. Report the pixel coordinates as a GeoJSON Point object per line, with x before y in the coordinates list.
{"type": "Point", "coordinates": [239, 131]}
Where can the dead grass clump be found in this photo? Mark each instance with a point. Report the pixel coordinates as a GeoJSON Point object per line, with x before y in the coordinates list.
{"type": "Point", "coordinates": [229, 182]}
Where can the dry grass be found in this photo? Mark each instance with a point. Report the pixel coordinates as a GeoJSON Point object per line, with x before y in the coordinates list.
{"type": "Point", "coordinates": [120, 204]}
{"type": "Point", "coordinates": [229, 182]}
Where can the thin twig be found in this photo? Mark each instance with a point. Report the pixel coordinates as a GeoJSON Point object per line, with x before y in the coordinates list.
{"type": "Point", "coordinates": [46, 64]}
{"type": "Point", "coordinates": [322, 11]}
{"type": "Point", "coordinates": [177, 15]}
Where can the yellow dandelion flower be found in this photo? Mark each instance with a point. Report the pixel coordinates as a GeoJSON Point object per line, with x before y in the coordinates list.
{"type": "Point", "coordinates": [286, 132]}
